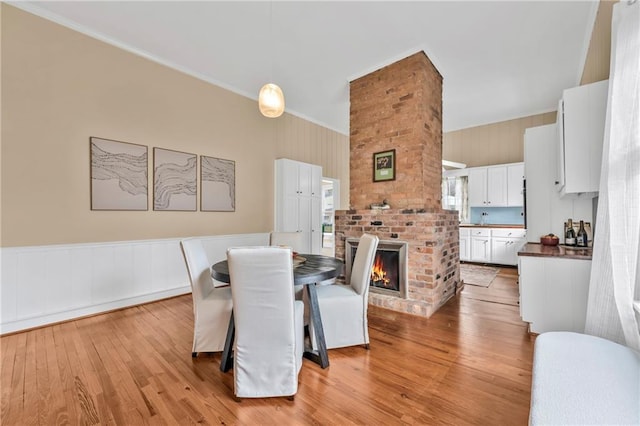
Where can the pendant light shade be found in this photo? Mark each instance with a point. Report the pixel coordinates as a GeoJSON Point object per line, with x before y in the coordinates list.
{"type": "Point", "coordinates": [271, 100]}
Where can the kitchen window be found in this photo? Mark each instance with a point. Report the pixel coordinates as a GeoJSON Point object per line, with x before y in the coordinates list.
{"type": "Point", "coordinates": [455, 196]}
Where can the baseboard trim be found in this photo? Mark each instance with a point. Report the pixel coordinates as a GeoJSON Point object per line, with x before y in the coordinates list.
{"type": "Point", "coordinates": [75, 314]}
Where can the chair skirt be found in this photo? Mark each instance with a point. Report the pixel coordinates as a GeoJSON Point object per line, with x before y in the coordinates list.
{"type": "Point", "coordinates": [343, 316]}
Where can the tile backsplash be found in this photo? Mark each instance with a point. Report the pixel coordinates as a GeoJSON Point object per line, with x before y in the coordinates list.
{"type": "Point", "coordinates": [497, 215]}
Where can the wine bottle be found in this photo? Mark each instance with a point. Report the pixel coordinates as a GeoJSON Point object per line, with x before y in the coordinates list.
{"type": "Point", "coordinates": [570, 234]}
{"type": "Point", "coordinates": [582, 239]}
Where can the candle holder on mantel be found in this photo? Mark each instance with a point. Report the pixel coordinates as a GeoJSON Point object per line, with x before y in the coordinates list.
{"type": "Point", "coordinates": [380, 206]}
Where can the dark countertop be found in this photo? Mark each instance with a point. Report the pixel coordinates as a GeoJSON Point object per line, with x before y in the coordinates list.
{"type": "Point", "coordinates": [473, 225]}
{"type": "Point", "coordinates": [539, 250]}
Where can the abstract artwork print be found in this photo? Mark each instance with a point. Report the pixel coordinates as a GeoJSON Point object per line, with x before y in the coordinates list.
{"type": "Point", "coordinates": [174, 180]}
{"type": "Point", "coordinates": [218, 184]}
{"type": "Point", "coordinates": [119, 173]}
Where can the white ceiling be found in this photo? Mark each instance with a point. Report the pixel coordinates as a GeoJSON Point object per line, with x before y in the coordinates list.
{"type": "Point", "coordinates": [499, 60]}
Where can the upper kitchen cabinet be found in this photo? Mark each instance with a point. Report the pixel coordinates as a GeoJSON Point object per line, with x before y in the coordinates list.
{"type": "Point", "coordinates": [515, 180]}
{"type": "Point", "coordinates": [496, 186]}
{"type": "Point", "coordinates": [581, 118]}
{"type": "Point", "coordinates": [478, 187]}
{"type": "Point", "coordinates": [546, 209]}
{"type": "Point", "coordinates": [299, 179]}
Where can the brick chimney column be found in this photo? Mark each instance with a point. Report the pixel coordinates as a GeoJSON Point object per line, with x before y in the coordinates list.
{"type": "Point", "coordinates": [398, 107]}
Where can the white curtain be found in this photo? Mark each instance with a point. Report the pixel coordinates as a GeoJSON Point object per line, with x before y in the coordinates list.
{"type": "Point", "coordinates": [615, 271]}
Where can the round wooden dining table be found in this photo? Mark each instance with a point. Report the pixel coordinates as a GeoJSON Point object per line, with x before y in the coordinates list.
{"type": "Point", "coordinates": [314, 269]}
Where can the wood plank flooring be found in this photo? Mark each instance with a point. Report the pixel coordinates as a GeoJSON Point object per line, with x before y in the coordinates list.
{"type": "Point", "coordinates": [469, 364]}
{"type": "Point", "coordinates": [503, 288]}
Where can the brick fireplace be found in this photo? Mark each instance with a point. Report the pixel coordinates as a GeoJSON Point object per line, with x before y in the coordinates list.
{"type": "Point", "coordinates": [389, 273]}
{"type": "Point", "coordinates": [400, 107]}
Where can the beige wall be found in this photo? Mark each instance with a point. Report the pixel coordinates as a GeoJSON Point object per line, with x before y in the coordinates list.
{"type": "Point", "coordinates": [61, 87]}
{"type": "Point", "coordinates": [301, 140]}
{"type": "Point", "coordinates": [496, 143]}
{"type": "Point", "coordinates": [596, 67]}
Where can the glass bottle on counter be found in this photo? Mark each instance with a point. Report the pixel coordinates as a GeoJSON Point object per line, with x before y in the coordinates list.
{"type": "Point", "coordinates": [582, 239]}
{"type": "Point", "coordinates": [570, 234]}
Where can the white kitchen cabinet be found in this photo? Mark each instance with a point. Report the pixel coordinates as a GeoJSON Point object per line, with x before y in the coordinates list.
{"type": "Point", "coordinates": [491, 245]}
{"type": "Point", "coordinates": [299, 178]}
{"type": "Point", "coordinates": [554, 293]}
{"type": "Point", "coordinates": [515, 178]}
{"type": "Point", "coordinates": [505, 243]}
{"type": "Point", "coordinates": [298, 206]}
{"type": "Point", "coordinates": [478, 187]}
{"type": "Point", "coordinates": [546, 209]}
{"type": "Point", "coordinates": [581, 117]}
{"type": "Point", "coordinates": [481, 245]}
{"type": "Point", "coordinates": [316, 225]}
{"type": "Point", "coordinates": [496, 186]}
{"type": "Point", "coordinates": [465, 244]}
{"type": "Point", "coordinates": [488, 186]}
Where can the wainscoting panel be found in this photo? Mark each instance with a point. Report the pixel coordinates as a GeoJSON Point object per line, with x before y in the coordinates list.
{"type": "Point", "coordinates": [47, 284]}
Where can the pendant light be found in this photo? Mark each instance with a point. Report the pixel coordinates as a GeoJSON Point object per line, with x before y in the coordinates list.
{"type": "Point", "coordinates": [271, 98]}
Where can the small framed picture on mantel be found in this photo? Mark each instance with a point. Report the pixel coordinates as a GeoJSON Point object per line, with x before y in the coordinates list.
{"type": "Point", "coordinates": [384, 166]}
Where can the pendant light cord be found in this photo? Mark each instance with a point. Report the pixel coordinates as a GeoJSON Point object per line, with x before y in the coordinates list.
{"type": "Point", "coordinates": [271, 40]}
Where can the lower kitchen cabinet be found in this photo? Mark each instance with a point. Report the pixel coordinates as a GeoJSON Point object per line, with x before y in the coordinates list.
{"type": "Point", "coordinates": [505, 244]}
{"type": "Point", "coordinates": [481, 245]}
{"type": "Point", "coordinates": [553, 293]}
{"type": "Point", "coordinates": [491, 245]}
{"type": "Point", "coordinates": [465, 244]}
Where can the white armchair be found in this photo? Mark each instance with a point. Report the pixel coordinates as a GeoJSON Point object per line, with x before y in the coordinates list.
{"type": "Point", "coordinates": [343, 308]}
{"type": "Point", "coordinates": [211, 306]}
{"type": "Point", "coordinates": [269, 338]}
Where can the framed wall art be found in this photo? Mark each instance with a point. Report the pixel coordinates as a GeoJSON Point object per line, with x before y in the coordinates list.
{"type": "Point", "coordinates": [118, 175]}
{"type": "Point", "coordinates": [174, 180]}
{"type": "Point", "coordinates": [218, 184]}
{"type": "Point", "coordinates": [384, 166]}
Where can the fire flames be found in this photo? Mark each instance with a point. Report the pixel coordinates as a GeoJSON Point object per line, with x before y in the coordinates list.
{"type": "Point", "coordinates": [378, 274]}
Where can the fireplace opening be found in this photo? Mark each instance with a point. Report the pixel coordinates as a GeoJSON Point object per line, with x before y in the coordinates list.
{"type": "Point", "coordinates": [389, 267]}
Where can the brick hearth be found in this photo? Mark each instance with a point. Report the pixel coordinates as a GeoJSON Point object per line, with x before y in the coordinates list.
{"type": "Point", "coordinates": [400, 107]}
{"type": "Point", "coordinates": [433, 265]}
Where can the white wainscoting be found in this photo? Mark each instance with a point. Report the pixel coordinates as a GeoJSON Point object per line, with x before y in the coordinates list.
{"type": "Point", "coordinates": [47, 284]}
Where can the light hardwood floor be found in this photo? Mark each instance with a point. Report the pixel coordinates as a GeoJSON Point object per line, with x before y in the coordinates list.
{"type": "Point", "coordinates": [470, 363]}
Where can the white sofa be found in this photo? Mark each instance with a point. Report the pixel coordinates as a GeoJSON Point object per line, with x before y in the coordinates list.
{"type": "Point", "coordinates": [582, 379]}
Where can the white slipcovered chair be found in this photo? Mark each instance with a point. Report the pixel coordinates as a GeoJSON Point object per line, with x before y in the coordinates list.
{"type": "Point", "coordinates": [269, 338]}
{"type": "Point", "coordinates": [289, 239]}
{"type": "Point", "coordinates": [580, 379]}
{"type": "Point", "coordinates": [343, 307]}
{"type": "Point", "coordinates": [211, 306]}
{"type": "Point", "coordinates": [293, 240]}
